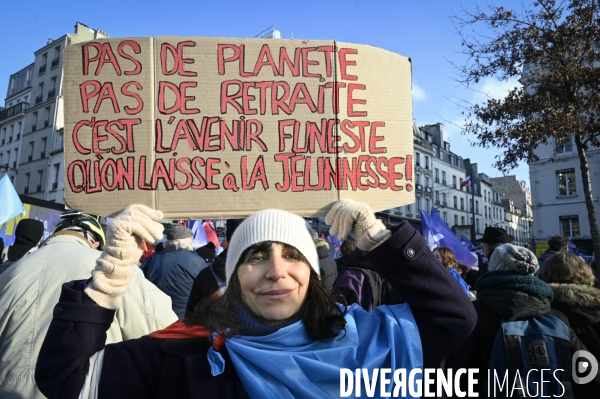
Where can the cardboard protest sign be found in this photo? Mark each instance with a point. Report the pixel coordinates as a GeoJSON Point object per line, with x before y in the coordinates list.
{"type": "Point", "coordinates": [215, 127]}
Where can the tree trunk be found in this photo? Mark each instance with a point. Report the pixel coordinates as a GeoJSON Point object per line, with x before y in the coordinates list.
{"type": "Point", "coordinates": [589, 201]}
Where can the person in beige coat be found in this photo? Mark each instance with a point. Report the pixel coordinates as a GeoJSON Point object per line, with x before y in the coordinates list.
{"type": "Point", "coordinates": [30, 289]}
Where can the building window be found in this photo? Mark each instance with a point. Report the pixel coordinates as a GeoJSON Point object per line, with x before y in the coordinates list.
{"type": "Point", "coordinates": [418, 178]}
{"type": "Point", "coordinates": [446, 217]}
{"type": "Point", "coordinates": [56, 175]}
{"type": "Point", "coordinates": [56, 58]}
{"type": "Point", "coordinates": [437, 175]}
{"type": "Point", "coordinates": [44, 142]}
{"type": "Point", "coordinates": [566, 147]}
{"type": "Point", "coordinates": [409, 208]}
{"type": "Point", "coordinates": [34, 124]}
{"type": "Point", "coordinates": [427, 204]}
{"type": "Point", "coordinates": [454, 181]}
{"type": "Point", "coordinates": [30, 154]}
{"type": "Point", "coordinates": [477, 207]}
{"type": "Point", "coordinates": [462, 220]}
{"type": "Point", "coordinates": [39, 180]}
{"type": "Point", "coordinates": [27, 178]}
{"type": "Point", "coordinates": [566, 182]}
{"type": "Point", "coordinates": [437, 197]}
{"type": "Point", "coordinates": [426, 181]}
{"type": "Point", "coordinates": [443, 177]}
{"type": "Point", "coordinates": [455, 220]}
{"type": "Point", "coordinates": [427, 162]}
{"type": "Point", "coordinates": [456, 202]}
{"type": "Point", "coordinates": [569, 226]}
{"type": "Point", "coordinates": [418, 159]}
{"type": "Point", "coordinates": [47, 117]}
{"type": "Point", "coordinates": [444, 199]}
{"type": "Point", "coordinates": [477, 225]}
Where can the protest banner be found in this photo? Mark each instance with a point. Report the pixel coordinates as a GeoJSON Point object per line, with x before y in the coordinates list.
{"type": "Point", "coordinates": [217, 127]}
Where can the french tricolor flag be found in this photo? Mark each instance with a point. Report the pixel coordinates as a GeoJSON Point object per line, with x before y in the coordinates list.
{"type": "Point", "coordinates": [466, 182]}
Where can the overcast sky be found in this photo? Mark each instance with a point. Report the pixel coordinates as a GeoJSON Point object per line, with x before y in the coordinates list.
{"type": "Point", "coordinates": [421, 30]}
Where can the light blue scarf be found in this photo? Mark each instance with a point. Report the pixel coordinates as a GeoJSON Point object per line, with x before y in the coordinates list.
{"type": "Point", "coordinates": [289, 364]}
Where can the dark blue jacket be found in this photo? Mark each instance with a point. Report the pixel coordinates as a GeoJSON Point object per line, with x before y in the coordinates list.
{"type": "Point", "coordinates": [174, 272]}
{"type": "Point", "coordinates": [178, 368]}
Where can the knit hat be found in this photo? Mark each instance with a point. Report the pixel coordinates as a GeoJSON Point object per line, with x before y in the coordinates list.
{"type": "Point", "coordinates": [513, 258]}
{"type": "Point", "coordinates": [271, 225]}
{"type": "Point", "coordinates": [179, 232]}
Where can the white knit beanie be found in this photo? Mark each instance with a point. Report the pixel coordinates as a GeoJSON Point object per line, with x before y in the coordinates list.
{"type": "Point", "coordinates": [271, 225]}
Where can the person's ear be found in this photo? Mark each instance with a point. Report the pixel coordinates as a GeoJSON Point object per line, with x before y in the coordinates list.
{"type": "Point", "coordinates": [95, 245]}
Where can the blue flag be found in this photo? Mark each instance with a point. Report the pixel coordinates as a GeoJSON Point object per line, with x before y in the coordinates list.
{"type": "Point", "coordinates": [465, 241]}
{"type": "Point", "coordinates": [11, 203]}
{"type": "Point", "coordinates": [438, 234]}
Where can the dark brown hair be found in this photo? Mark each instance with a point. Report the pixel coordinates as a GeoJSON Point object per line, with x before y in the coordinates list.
{"type": "Point", "coordinates": [566, 268]}
{"type": "Point", "coordinates": [558, 243]}
{"type": "Point", "coordinates": [322, 316]}
{"type": "Point", "coordinates": [448, 259]}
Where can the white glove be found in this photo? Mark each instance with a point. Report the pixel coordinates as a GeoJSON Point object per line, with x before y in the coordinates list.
{"type": "Point", "coordinates": [347, 216]}
{"type": "Point", "coordinates": [115, 266]}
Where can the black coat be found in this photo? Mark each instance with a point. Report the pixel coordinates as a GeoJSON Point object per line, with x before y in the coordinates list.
{"type": "Point", "coordinates": [492, 307]}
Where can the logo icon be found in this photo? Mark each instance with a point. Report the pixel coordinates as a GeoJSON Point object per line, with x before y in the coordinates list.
{"type": "Point", "coordinates": [584, 363]}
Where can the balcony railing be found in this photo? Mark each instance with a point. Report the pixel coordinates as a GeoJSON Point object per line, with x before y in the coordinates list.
{"type": "Point", "coordinates": [38, 188]}
{"type": "Point", "coordinates": [46, 123]}
{"type": "Point", "coordinates": [12, 111]}
{"type": "Point", "coordinates": [444, 182]}
{"type": "Point", "coordinates": [428, 190]}
{"type": "Point", "coordinates": [419, 187]}
{"type": "Point", "coordinates": [38, 99]}
{"type": "Point", "coordinates": [55, 62]}
{"type": "Point", "coordinates": [445, 203]}
{"type": "Point", "coordinates": [51, 93]}
{"type": "Point", "coordinates": [42, 69]}
{"type": "Point", "coordinates": [437, 179]}
{"type": "Point", "coordinates": [437, 202]}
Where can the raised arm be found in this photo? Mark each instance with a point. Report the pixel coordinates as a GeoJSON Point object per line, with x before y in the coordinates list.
{"type": "Point", "coordinates": [442, 311]}
{"type": "Point", "coordinates": [86, 309]}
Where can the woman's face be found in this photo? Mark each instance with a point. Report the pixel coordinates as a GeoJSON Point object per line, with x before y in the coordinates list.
{"type": "Point", "coordinates": [274, 283]}
{"type": "Point", "coordinates": [438, 255]}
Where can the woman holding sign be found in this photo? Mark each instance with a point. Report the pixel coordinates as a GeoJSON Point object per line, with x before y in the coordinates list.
{"type": "Point", "coordinates": [275, 333]}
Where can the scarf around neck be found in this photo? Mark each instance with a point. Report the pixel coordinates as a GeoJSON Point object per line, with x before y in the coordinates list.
{"type": "Point", "coordinates": [290, 364]}
{"type": "Point", "coordinates": [511, 280]}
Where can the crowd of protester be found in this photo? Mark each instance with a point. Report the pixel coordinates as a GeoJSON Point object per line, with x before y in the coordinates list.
{"type": "Point", "coordinates": [165, 320]}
